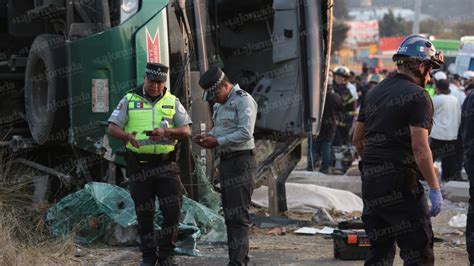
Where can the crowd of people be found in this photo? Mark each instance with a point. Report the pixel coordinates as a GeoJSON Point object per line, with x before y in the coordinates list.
{"type": "Point", "coordinates": [387, 117]}
{"type": "Point", "coordinates": [401, 123]}
{"type": "Point", "coordinates": [347, 90]}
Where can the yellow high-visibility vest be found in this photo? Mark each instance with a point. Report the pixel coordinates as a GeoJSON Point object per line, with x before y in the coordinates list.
{"type": "Point", "coordinates": [143, 115]}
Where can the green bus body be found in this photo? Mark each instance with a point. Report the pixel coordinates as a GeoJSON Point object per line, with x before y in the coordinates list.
{"type": "Point", "coordinates": [448, 47]}
{"type": "Point", "coordinates": [117, 57]}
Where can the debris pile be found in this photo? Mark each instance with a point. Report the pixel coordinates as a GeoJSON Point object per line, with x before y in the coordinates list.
{"type": "Point", "coordinates": [104, 212]}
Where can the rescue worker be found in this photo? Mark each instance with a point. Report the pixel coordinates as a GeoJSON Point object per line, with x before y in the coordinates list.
{"type": "Point", "coordinates": [391, 135]}
{"type": "Point", "coordinates": [348, 94]}
{"type": "Point", "coordinates": [151, 120]}
{"type": "Point", "coordinates": [234, 116]}
{"type": "Point", "coordinates": [321, 145]}
{"type": "Point", "coordinates": [467, 133]}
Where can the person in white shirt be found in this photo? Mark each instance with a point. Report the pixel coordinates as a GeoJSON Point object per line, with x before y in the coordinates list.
{"type": "Point", "coordinates": [457, 90]}
{"type": "Point", "coordinates": [439, 75]}
{"type": "Point", "coordinates": [466, 77]}
{"type": "Point", "coordinates": [454, 89]}
{"type": "Point", "coordinates": [444, 134]}
{"type": "Point", "coordinates": [456, 80]}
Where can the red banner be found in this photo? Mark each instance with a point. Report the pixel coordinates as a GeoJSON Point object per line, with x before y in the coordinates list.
{"type": "Point", "coordinates": [153, 46]}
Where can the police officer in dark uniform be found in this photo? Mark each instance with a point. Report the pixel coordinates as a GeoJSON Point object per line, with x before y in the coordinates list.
{"type": "Point", "coordinates": [151, 120]}
{"type": "Point", "coordinates": [466, 131]}
{"type": "Point", "coordinates": [234, 118]}
{"type": "Point", "coordinates": [391, 135]}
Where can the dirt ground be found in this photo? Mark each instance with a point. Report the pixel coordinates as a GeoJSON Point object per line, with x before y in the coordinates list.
{"type": "Point", "coordinates": [288, 249]}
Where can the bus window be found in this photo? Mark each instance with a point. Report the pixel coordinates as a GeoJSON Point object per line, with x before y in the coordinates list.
{"type": "Point", "coordinates": [471, 65]}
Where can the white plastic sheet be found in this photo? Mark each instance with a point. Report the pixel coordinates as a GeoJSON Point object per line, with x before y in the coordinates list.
{"type": "Point", "coordinates": [309, 198]}
{"type": "Point", "coordinates": [312, 231]}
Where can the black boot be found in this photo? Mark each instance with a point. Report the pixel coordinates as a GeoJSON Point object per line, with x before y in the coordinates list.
{"type": "Point", "coordinates": [149, 259]}
{"type": "Point", "coordinates": [168, 261]}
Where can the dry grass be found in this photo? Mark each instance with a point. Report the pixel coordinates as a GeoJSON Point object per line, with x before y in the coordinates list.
{"type": "Point", "coordinates": [24, 237]}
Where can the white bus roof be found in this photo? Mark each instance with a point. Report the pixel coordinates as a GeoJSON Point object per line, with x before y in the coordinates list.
{"type": "Point", "coordinates": [467, 39]}
{"type": "Point", "coordinates": [466, 45]}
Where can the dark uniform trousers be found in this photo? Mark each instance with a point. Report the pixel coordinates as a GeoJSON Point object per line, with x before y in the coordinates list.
{"type": "Point", "coordinates": [459, 155]}
{"type": "Point", "coordinates": [469, 166]}
{"type": "Point", "coordinates": [396, 211]}
{"type": "Point", "coordinates": [447, 151]}
{"type": "Point", "coordinates": [342, 136]}
{"type": "Point", "coordinates": [237, 175]}
{"type": "Point", "coordinates": [160, 181]}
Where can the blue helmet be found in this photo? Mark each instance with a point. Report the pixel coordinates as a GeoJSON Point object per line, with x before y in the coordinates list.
{"type": "Point", "coordinates": [419, 48]}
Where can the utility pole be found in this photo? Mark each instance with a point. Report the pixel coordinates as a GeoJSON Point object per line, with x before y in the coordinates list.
{"type": "Point", "coordinates": [416, 19]}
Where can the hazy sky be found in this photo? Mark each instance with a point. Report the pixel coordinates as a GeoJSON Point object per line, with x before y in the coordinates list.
{"type": "Point", "coordinates": [436, 8]}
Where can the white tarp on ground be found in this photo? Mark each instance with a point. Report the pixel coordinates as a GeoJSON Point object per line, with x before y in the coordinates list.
{"type": "Point", "coordinates": [309, 198]}
{"type": "Point", "coordinates": [456, 191]}
{"type": "Point", "coordinates": [343, 182]}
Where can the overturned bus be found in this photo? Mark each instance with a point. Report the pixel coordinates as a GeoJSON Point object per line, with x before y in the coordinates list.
{"type": "Point", "coordinates": [64, 66]}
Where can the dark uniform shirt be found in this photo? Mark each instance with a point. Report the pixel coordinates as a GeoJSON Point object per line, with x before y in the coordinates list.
{"type": "Point", "coordinates": [346, 117]}
{"type": "Point", "coordinates": [388, 111]}
{"type": "Point", "coordinates": [467, 124]}
{"type": "Point", "coordinates": [332, 107]}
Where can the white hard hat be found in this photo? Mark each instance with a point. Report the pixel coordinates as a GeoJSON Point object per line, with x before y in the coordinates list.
{"type": "Point", "coordinates": [440, 75]}
{"type": "Point", "coordinates": [341, 71]}
{"type": "Point", "coordinates": [468, 74]}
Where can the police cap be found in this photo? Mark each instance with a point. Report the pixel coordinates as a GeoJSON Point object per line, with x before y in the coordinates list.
{"type": "Point", "coordinates": [156, 72]}
{"type": "Point", "coordinates": [211, 78]}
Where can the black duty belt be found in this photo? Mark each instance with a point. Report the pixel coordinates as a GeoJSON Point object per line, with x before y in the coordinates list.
{"type": "Point", "coordinates": [155, 158]}
{"type": "Point", "coordinates": [232, 154]}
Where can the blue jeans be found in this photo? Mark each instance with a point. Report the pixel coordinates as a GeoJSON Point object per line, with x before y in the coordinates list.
{"type": "Point", "coordinates": [469, 166]}
{"type": "Point", "coordinates": [321, 145]}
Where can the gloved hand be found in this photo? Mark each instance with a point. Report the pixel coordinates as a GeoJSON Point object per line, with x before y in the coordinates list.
{"type": "Point", "coordinates": [436, 201]}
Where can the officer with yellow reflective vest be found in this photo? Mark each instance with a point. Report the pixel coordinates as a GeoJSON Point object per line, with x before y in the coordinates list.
{"type": "Point", "coordinates": [151, 120]}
